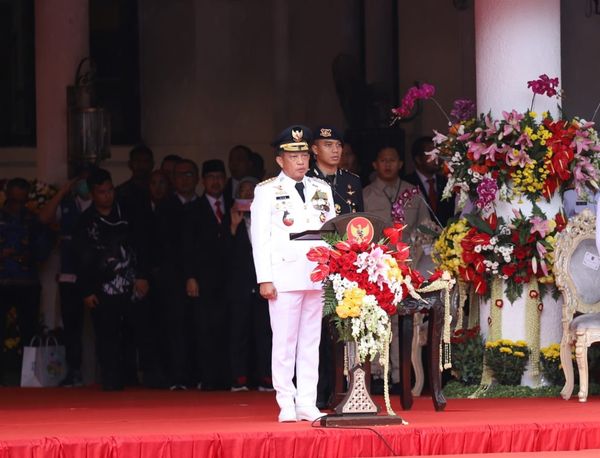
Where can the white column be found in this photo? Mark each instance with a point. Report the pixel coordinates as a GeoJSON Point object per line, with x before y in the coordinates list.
{"type": "Point", "coordinates": [516, 41]}
{"type": "Point", "coordinates": [61, 41]}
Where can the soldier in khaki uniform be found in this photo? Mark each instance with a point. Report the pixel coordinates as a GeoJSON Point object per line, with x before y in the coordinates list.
{"type": "Point", "coordinates": [379, 198]}
{"type": "Point", "coordinates": [291, 203]}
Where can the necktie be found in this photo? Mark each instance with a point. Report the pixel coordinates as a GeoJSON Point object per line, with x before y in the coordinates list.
{"type": "Point", "coordinates": [432, 194]}
{"type": "Point", "coordinates": [300, 189]}
{"type": "Point", "coordinates": [218, 212]}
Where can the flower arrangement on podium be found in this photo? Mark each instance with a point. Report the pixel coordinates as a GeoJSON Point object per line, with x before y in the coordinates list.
{"type": "Point", "coordinates": [364, 285]}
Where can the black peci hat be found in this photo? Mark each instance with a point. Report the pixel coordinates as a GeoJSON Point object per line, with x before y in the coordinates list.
{"type": "Point", "coordinates": [213, 165]}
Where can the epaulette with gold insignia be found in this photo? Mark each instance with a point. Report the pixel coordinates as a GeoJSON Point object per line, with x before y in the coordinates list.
{"type": "Point", "coordinates": [350, 173]}
{"type": "Point", "coordinates": [320, 180]}
{"type": "Point", "coordinates": [268, 180]}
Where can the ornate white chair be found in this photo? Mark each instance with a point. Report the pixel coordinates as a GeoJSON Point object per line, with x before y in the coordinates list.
{"type": "Point", "coordinates": [577, 272]}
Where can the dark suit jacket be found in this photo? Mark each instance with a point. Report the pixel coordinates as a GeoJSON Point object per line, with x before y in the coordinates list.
{"type": "Point", "coordinates": [445, 208]}
{"type": "Point", "coordinates": [170, 220]}
{"type": "Point", "coordinates": [242, 276]}
{"type": "Point", "coordinates": [206, 244]}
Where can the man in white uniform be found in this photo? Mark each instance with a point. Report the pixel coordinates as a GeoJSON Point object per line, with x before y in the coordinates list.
{"type": "Point", "coordinates": [287, 204]}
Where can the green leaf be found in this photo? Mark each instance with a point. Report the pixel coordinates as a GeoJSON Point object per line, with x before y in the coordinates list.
{"type": "Point", "coordinates": [513, 290]}
{"type": "Point", "coordinates": [427, 231]}
{"type": "Point", "coordinates": [329, 300]}
{"type": "Point", "coordinates": [331, 238]}
{"type": "Point", "coordinates": [479, 223]}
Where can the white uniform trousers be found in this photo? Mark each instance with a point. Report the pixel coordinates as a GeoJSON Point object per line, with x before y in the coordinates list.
{"type": "Point", "coordinates": [296, 324]}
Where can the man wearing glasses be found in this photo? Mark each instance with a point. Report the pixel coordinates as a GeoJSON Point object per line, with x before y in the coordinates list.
{"type": "Point", "coordinates": [172, 280]}
{"type": "Point", "coordinates": [287, 204]}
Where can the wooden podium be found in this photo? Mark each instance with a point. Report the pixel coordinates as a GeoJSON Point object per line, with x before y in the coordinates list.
{"type": "Point", "coordinates": [354, 406]}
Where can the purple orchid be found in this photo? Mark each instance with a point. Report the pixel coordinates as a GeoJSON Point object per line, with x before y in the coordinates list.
{"type": "Point", "coordinates": [486, 190]}
{"type": "Point", "coordinates": [462, 110]}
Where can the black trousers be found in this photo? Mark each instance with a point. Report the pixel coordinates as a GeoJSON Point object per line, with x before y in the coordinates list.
{"type": "Point", "coordinates": [326, 383]}
{"type": "Point", "coordinates": [26, 302]}
{"type": "Point", "coordinates": [211, 315]}
{"type": "Point", "coordinates": [71, 311]}
{"type": "Point", "coordinates": [250, 335]}
{"type": "Point", "coordinates": [116, 328]}
{"type": "Point", "coordinates": [182, 340]}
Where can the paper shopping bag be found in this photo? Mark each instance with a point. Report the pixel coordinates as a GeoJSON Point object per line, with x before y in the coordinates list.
{"type": "Point", "coordinates": [43, 365]}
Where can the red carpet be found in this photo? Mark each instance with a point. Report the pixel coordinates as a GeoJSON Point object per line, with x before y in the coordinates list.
{"type": "Point", "coordinates": [143, 423]}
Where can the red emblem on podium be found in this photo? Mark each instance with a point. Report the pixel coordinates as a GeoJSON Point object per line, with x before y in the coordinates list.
{"type": "Point", "coordinates": [360, 230]}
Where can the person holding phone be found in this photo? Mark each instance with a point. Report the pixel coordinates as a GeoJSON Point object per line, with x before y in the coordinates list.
{"type": "Point", "coordinates": [250, 332]}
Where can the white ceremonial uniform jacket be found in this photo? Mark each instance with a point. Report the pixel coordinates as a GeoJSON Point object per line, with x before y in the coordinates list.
{"type": "Point", "coordinates": [277, 212]}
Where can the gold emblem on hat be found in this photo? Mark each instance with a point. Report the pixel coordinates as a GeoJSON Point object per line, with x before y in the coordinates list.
{"type": "Point", "coordinates": [297, 135]}
{"type": "Point", "coordinates": [326, 133]}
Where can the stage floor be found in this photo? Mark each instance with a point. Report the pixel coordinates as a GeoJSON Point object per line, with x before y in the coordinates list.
{"type": "Point", "coordinates": [86, 422]}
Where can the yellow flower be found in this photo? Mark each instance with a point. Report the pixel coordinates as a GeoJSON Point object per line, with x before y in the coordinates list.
{"type": "Point", "coordinates": [350, 305]}
{"type": "Point", "coordinates": [506, 350]}
{"type": "Point", "coordinates": [519, 354]}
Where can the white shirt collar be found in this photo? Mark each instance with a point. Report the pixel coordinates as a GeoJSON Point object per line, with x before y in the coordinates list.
{"type": "Point", "coordinates": [183, 200]}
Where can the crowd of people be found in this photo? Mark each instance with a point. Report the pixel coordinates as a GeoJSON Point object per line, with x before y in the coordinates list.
{"type": "Point", "coordinates": [169, 274]}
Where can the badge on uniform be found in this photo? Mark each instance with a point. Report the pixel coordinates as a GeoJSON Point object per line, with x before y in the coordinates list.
{"type": "Point", "coordinates": [320, 202]}
{"type": "Point", "coordinates": [287, 218]}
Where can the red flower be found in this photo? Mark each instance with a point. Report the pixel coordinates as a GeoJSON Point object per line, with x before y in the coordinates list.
{"type": "Point", "coordinates": [319, 254]}
{"type": "Point", "coordinates": [521, 252]}
{"type": "Point", "coordinates": [509, 269]}
{"type": "Point", "coordinates": [319, 273]}
{"type": "Point", "coordinates": [394, 234]}
{"type": "Point", "coordinates": [343, 246]}
{"type": "Point", "coordinates": [437, 274]}
{"type": "Point", "coordinates": [493, 221]}
{"type": "Point", "coordinates": [561, 221]}
{"type": "Point", "coordinates": [402, 252]}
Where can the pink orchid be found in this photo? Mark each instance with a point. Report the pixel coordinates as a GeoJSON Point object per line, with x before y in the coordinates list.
{"type": "Point", "coordinates": [518, 158]}
{"type": "Point", "coordinates": [540, 225]}
{"type": "Point", "coordinates": [491, 125]}
{"type": "Point", "coordinates": [524, 140]}
{"type": "Point", "coordinates": [512, 122]}
{"type": "Point", "coordinates": [439, 138]}
{"type": "Point", "coordinates": [582, 141]}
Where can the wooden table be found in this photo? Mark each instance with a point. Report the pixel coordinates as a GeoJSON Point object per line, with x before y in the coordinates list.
{"type": "Point", "coordinates": [433, 306]}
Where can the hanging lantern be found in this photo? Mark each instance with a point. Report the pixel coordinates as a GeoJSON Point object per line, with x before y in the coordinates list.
{"type": "Point", "coordinates": [88, 125]}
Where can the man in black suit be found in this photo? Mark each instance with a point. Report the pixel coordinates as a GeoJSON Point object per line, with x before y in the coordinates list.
{"type": "Point", "coordinates": [177, 307]}
{"type": "Point", "coordinates": [240, 165]}
{"type": "Point", "coordinates": [206, 242]}
{"type": "Point", "coordinates": [427, 176]}
{"type": "Point", "coordinates": [135, 193]}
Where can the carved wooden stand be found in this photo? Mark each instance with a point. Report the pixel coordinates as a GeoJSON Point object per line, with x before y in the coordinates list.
{"type": "Point", "coordinates": [357, 407]}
